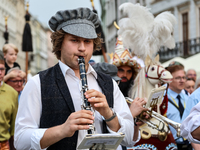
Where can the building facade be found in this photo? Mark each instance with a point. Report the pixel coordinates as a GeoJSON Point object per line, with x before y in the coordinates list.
{"type": "Point", "coordinates": [40, 58]}
{"type": "Point", "coordinates": [186, 31]}
{"type": "Point", "coordinates": [111, 14]}
{"type": "Point", "coordinates": [15, 11]}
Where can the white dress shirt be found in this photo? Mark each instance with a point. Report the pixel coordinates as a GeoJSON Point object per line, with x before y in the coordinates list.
{"type": "Point", "coordinates": [27, 131]}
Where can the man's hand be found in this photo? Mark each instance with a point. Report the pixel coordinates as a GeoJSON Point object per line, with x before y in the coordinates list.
{"type": "Point", "coordinates": [22, 74]}
{"type": "Point", "coordinates": [77, 121]}
{"type": "Point", "coordinates": [98, 102]}
{"type": "Point", "coordinates": [136, 106]}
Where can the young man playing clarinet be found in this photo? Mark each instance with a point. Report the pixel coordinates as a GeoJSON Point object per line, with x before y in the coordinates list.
{"type": "Point", "coordinates": [50, 115]}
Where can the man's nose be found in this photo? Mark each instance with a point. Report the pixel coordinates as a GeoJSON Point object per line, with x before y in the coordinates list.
{"type": "Point", "coordinates": [82, 46]}
{"type": "Point", "coordinates": [19, 83]}
{"type": "Point", "coordinates": [182, 79]}
{"type": "Point", "coordinates": [124, 74]}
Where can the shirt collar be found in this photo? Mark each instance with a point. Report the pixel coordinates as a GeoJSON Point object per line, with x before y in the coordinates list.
{"type": "Point", "coordinates": [174, 94]}
{"type": "Point", "coordinates": [64, 68]}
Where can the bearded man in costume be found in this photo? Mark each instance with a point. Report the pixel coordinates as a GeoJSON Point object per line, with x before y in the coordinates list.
{"type": "Point", "coordinates": [128, 66]}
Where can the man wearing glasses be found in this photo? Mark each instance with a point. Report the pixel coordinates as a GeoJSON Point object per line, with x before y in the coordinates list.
{"type": "Point", "coordinates": [8, 110]}
{"type": "Point", "coordinates": [191, 73]}
{"type": "Point", "coordinates": [177, 101]}
{"type": "Point", "coordinates": [16, 79]}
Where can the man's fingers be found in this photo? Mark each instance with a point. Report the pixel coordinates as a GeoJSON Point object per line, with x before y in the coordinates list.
{"type": "Point", "coordinates": [76, 127]}
{"type": "Point", "coordinates": [143, 102]}
{"type": "Point", "coordinates": [93, 93]}
{"type": "Point", "coordinates": [82, 114]}
{"type": "Point", "coordinates": [83, 121]}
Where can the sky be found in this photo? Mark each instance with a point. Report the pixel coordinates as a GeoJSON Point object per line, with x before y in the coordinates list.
{"type": "Point", "coordinates": [43, 10]}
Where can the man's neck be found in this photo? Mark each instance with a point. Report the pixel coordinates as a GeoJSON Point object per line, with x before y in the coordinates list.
{"type": "Point", "coordinates": [175, 90]}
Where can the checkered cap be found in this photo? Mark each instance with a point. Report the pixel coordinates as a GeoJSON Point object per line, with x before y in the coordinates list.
{"type": "Point", "coordinates": [80, 22]}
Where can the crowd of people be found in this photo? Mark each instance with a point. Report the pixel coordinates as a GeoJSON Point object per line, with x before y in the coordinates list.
{"type": "Point", "coordinates": [47, 112]}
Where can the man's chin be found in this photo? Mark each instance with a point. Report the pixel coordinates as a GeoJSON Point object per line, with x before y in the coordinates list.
{"type": "Point", "coordinates": [124, 87]}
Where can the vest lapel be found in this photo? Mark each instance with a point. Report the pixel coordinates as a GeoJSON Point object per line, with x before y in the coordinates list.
{"type": "Point", "coordinates": [107, 87]}
{"type": "Point", "coordinates": [63, 87]}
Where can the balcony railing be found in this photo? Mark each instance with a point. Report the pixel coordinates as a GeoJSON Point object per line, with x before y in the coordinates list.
{"type": "Point", "coordinates": [182, 49]}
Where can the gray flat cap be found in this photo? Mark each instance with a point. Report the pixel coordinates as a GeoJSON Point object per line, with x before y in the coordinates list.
{"type": "Point", "coordinates": [80, 22]}
{"type": "Point", "coordinates": [108, 69]}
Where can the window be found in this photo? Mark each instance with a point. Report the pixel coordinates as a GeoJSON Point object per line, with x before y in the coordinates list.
{"type": "Point", "coordinates": [185, 32]}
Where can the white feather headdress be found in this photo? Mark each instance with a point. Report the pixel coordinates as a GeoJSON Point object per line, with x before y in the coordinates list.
{"type": "Point", "coordinates": [143, 33]}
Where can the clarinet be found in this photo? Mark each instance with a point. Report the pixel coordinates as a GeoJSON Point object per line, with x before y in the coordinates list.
{"type": "Point", "coordinates": [86, 105]}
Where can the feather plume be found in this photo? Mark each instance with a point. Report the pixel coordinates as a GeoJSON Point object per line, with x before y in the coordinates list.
{"type": "Point", "coordinates": [143, 33]}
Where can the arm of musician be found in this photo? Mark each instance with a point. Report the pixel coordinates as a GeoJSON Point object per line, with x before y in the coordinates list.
{"type": "Point", "coordinates": [195, 146]}
{"type": "Point", "coordinates": [136, 133]}
{"type": "Point", "coordinates": [28, 117]}
{"type": "Point", "coordinates": [196, 133]}
{"type": "Point", "coordinates": [76, 121]}
{"type": "Point", "coordinates": [137, 108]}
{"type": "Point", "coordinates": [190, 127]}
{"type": "Point", "coordinates": [114, 123]}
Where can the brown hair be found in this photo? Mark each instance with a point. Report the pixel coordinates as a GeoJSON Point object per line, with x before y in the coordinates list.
{"type": "Point", "coordinates": [2, 61]}
{"type": "Point", "coordinates": [175, 68]}
{"type": "Point", "coordinates": [190, 79]}
{"type": "Point", "coordinates": [57, 38]}
{"type": "Point", "coordinates": [9, 45]}
{"type": "Point", "coordinates": [1, 58]}
{"type": "Point", "coordinates": [135, 71]}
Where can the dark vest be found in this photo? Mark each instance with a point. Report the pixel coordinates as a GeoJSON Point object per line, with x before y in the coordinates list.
{"type": "Point", "coordinates": [57, 103]}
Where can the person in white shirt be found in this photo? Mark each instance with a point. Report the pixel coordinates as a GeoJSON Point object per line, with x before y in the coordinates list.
{"type": "Point", "coordinates": [50, 114]}
{"type": "Point", "coordinates": [190, 127]}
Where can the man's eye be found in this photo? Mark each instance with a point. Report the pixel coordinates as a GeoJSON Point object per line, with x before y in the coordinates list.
{"type": "Point", "coordinates": [120, 70]}
{"type": "Point", "coordinates": [74, 40]}
{"type": "Point", "coordinates": [87, 41]}
{"type": "Point", "coordinates": [129, 71]}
